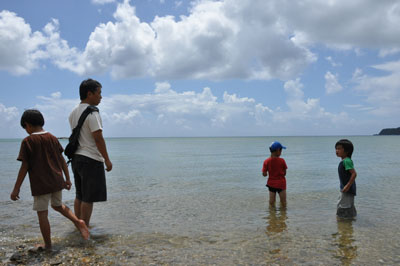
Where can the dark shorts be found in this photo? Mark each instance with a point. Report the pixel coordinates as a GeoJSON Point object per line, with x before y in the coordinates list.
{"type": "Point", "coordinates": [90, 179]}
{"type": "Point", "coordinates": [272, 189]}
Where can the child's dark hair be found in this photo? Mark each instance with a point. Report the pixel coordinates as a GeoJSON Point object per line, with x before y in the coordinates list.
{"type": "Point", "coordinates": [33, 117]}
{"type": "Point", "coordinates": [347, 146]}
{"type": "Point", "coordinates": [88, 85]}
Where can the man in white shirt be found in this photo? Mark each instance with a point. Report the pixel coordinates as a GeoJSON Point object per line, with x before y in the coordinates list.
{"type": "Point", "coordinates": [91, 155]}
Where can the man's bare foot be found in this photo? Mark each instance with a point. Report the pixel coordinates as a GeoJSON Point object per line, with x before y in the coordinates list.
{"type": "Point", "coordinates": [39, 248]}
{"type": "Point", "coordinates": [83, 229]}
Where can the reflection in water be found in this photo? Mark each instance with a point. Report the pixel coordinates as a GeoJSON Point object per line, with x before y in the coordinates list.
{"type": "Point", "coordinates": [276, 220]}
{"type": "Point", "coordinates": [344, 240]}
{"type": "Point", "coordinates": [276, 224]}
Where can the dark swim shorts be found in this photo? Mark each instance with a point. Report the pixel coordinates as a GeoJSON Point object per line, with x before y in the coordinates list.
{"type": "Point", "coordinates": [90, 179]}
{"type": "Point", "coordinates": [272, 189]}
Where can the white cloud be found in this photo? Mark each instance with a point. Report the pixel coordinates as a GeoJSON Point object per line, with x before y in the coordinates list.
{"type": "Point", "coordinates": [9, 121]}
{"type": "Point", "coordinates": [227, 39]}
{"type": "Point", "coordinates": [166, 112]}
{"type": "Point", "coordinates": [308, 115]}
{"type": "Point", "coordinates": [332, 84]}
{"type": "Point", "coordinates": [102, 2]}
{"type": "Point", "coordinates": [387, 52]}
{"type": "Point", "coordinates": [8, 113]}
{"type": "Point", "coordinates": [20, 48]}
{"type": "Point", "coordinates": [332, 62]}
{"type": "Point", "coordinates": [56, 110]}
{"type": "Point", "coordinates": [217, 40]}
{"type": "Point", "coordinates": [345, 24]}
{"type": "Point", "coordinates": [382, 92]}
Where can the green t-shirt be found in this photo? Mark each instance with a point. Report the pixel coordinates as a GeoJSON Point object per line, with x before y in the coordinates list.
{"type": "Point", "coordinates": [348, 164]}
{"type": "Point", "coordinates": [344, 174]}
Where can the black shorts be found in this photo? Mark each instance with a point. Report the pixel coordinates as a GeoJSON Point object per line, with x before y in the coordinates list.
{"type": "Point", "coordinates": [90, 179]}
{"type": "Point", "coordinates": [272, 189]}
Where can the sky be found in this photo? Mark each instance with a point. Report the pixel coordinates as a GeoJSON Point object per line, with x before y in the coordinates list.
{"type": "Point", "coordinates": [204, 68]}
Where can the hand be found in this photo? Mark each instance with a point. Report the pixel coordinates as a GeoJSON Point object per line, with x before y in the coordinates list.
{"type": "Point", "coordinates": [14, 195]}
{"type": "Point", "coordinates": [109, 165]}
{"type": "Point", "coordinates": [67, 185]}
{"type": "Point", "coordinates": [346, 188]}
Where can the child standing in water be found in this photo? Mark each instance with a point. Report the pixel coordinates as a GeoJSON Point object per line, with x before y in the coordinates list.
{"type": "Point", "coordinates": [275, 168]}
{"type": "Point", "coordinates": [41, 157]}
{"type": "Point", "coordinates": [347, 176]}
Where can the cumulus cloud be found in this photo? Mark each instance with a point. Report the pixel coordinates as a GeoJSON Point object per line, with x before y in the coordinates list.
{"type": "Point", "coordinates": [387, 52]}
{"type": "Point", "coordinates": [9, 121]}
{"type": "Point", "coordinates": [102, 2]}
{"type": "Point", "coordinates": [166, 112]}
{"type": "Point", "coordinates": [8, 113]}
{"type": "Point", "coordinates": [20, 48]}
{"type": "Point", "coordinates": [217, 40]}
{"type": "Point", "coordinates": [332, 84]}
{"type": "Point", "coordinates": [305, 115]}
{"type": "Point", "coordinates": [246, 39]}
{"type": "Point", "coordinates": [345, 24]}
{"type": "Point", "coordinates": [382, 92]}
{"type": "Point", "coordinates": [300, 108]}
{"type": "Point", "coordinates": [56, 110]}
{"type": "Point", "coordinates": [332, 62]}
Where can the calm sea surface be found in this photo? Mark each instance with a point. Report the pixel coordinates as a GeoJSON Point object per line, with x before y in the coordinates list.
{"type": "Point", "coordinates": [196, 201]}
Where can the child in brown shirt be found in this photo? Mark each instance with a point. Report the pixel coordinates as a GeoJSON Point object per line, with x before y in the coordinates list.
{"type": "Point", "coordinates": [41, 157]}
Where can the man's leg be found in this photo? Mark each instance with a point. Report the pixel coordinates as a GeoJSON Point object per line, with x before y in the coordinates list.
{"type": "Point", "coordinates": [86, 211]}
{"type": "Point", "coordinates": [45, 228]}
{"type": "Point", "coordinates": [77, 208]}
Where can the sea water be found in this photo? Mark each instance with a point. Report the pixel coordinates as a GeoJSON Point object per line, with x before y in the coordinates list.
{"type": "Point", "coordinates": [196, 201]}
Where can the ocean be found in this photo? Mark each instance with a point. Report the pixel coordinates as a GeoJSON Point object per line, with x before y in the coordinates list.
{"type": "Point", "coordinates": [200, 201]}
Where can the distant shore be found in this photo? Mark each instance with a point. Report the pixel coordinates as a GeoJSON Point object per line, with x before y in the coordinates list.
{"type": "Point", "coordinates": [389, 131]}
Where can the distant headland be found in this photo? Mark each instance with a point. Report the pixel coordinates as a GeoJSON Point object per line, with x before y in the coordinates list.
{"type": "Point", "coordinates": [390, 131]}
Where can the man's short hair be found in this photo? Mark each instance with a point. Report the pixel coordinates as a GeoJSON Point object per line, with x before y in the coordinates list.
{"type": "Point", "coordinates": [347, 146]}
{"type": "Point", "coordinates": [88, 85]}
{"type": "Point", "coordinates": [33, 117]}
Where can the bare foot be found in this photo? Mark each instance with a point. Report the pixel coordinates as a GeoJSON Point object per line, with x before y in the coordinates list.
{"type": "Point", "coordinates": [83, 229]}
{"type": "Point", "coordinates": [39, 248]}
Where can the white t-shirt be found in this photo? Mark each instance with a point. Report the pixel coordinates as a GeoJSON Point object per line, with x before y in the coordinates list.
{"type": "Point", "coordinates": [87, 145]}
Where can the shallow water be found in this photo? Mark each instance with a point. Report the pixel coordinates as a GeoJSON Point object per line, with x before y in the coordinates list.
{"type": "Point", "coordinates": [203, 201]}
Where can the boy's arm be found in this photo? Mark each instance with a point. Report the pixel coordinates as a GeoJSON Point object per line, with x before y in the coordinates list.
{"type": "Point", "coordinates": [20, 179]}
{"type": "Point", "coordinates": [351, 181]}
{"type": "Point", "coordinates": [68, 183]}
{"type": "Point", "coordinates": [101, 146]}
{"type": "Point", "coordinates": [264, 169]}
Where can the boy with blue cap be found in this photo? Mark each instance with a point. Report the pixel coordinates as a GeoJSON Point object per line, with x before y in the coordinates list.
{"type": "Point", "coordinates": [275, 168]}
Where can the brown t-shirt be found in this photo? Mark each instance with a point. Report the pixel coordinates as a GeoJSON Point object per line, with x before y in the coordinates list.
{"type": "Point", "coordinates": [43, 153]}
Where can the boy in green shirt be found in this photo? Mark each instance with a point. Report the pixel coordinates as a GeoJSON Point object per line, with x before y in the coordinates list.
{"type": "Point", "coordinates": [347, 176]}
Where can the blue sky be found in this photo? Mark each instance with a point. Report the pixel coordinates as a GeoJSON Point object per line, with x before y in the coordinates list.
{"type": "Point", "coordinates": [204, 68]}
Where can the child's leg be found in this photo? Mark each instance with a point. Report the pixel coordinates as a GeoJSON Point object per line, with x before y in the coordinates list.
{"type": "Point", "coordinates": [282, 197]}
{"type": "Point", "coordinates": [272, 196]}
{"type": "Point", "coordinates": [45, 228]}
{"type": "Point", "coordinates": [80, 224]}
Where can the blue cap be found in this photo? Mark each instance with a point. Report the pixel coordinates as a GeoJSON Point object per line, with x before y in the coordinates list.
{"type": "Point", "coordinates": [276, 146]}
